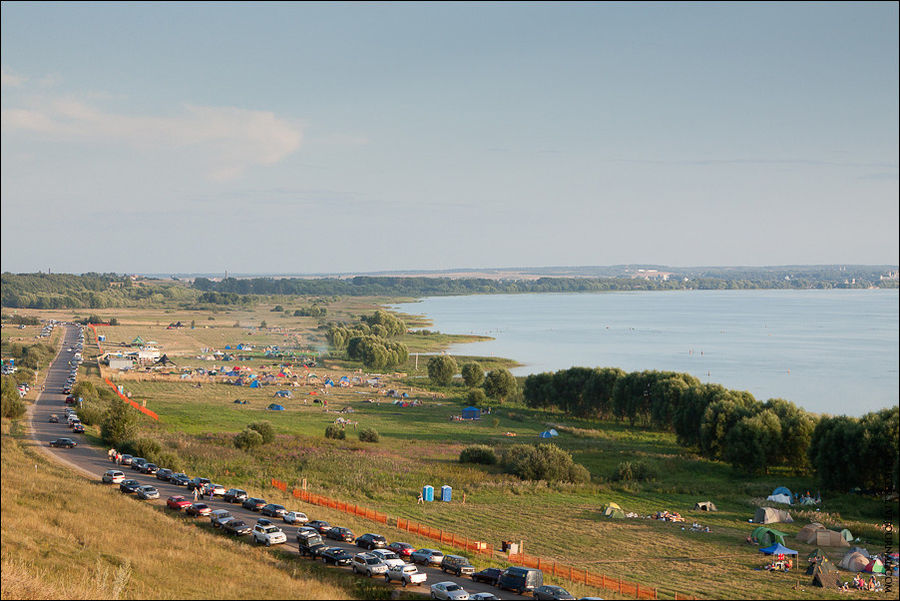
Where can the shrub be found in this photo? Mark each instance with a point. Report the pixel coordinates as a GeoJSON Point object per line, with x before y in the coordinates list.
{"type": "Point", "coordinates": [369, 435]}
{"type": "Point", "coordinates": [119, 424]}
{"type": "Point", "coordinates": [147, 448]}
{"type": "Point", "coordinates": [476, 397]}
{"type": "Point", "coordinates": [335, 432]}
{"type": "Point", "coordinates": [13, 407]}
{"type": "Point", "coordinates": [265, 430]}
{"type": "Point", "coordinates": [473, 374]}
{"type": "Point", "coordinates": [441, 369]}
{"type": "Point", "coordinates": [248, 439]}
{"type": "Point", "coordinates": [543, 462]}
{"type": "Point", "coordinates": [90, 414]}
{"type": "Point", "coordinates": [633, 471]}
{"type": "Point", "coordinates": [479, 453]}
{"type": "Point", "coordinates": [500, 384]}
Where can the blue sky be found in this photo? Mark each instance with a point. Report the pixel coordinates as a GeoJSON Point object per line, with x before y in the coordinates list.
{"type": "Point", "coordinates": [362, 137]}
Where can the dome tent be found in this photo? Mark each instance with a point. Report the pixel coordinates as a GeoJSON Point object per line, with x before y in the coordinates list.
{"type": "Point", "coordinates": [769, 515]}
{"type": "Point", "coordinates": [613, 511]}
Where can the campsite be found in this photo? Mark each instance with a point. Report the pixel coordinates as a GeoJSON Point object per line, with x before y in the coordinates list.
{"type": "Point", "coordinates": [420, 444]}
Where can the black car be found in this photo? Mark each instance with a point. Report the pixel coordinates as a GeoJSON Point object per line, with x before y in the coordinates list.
{"type": "Point", "coordinates": [149, 468]}
{"type": "Point", "coordinates": [236, 527]}
{"type": "Point", "coordinates": [253, 504]}
{"type": "Point", "coordinates": [63, 443]}
{"type": "Point", "coordinates": [198, 483]}
{"type": "Point", "coordinates": [335, 556]}
{"type": "Point", "coordinates": [129, 486]}
{"type": "Point", "coordinates": [342, 534]}
{"type": "Point", "coordinates": [489, 575]}
{"type": "Point", "coordinates": [371, 541]}
{"type": "Point", "coordinates": [179, 479]}
{"type": "Point", "coordinates": [54, 419]}
{"type": "Point", "coordinates": [164, 474]}
{"type": "Point", "coordinates": [137, 463]}
{"type": "Point", "coordinates": [235, 495]}
{"type": "Point", "coordinates": [321, 525]}
{"type": "Point", "coordinates": [273, 510]}
{"type": "Point", "coordinates": [552, 593]}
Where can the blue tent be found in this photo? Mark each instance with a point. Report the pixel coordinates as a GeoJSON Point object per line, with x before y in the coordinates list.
{"type": "Point", "coordinates": [284, 393]}
{"type": "Point", "coordinates": [471, 413]}
{"type": "Point", "coordinates": [275, 407]}
{"type": "Point", "coordinates": [553, 432]}
{"type": "Point", "coordinates": [782, 490]}
{"type": "Point", "coordinates": [545, 434]}
{"type": "Point", "coordinates": [777, 549]}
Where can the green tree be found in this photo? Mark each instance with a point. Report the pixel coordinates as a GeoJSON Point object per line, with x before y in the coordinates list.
{"type": "Point", "coordinates": [751, 445]}
{"type": "Point", "coordinates": [476, 397]}
{"type": "Point", "coordinates": [500, 384]}
{"type": "Point", "coordinates": [119, 425]}
{"type": "Point", "coordinates": [441, 369]}
{"type": "Point", "coordinates": [472, 374]}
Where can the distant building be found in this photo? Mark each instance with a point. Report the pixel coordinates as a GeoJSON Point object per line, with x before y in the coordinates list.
{"type": "Point", "coordinates": [892, 274]}
{"type": "Point", "coordinates": [120, 362]}
{"type": "Point", "coordinates": [651, 274]}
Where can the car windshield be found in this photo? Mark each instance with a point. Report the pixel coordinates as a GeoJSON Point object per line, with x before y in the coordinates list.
{"type": "Point", "coordinates": [200, 506]}
{"type": "Point", "coordinates": [409, 569]}
{"type": "Point", "coordinates": [269, 529]}
{"type": "Point", "coordinates": [453, 587]}
{"type": "Point", "coordinates": [389, 555]}
{"type": "Point", "coordinates": [372, 561]}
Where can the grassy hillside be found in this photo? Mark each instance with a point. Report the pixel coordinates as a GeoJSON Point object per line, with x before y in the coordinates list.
{"type": "Point", "coordinates": [65, 537]}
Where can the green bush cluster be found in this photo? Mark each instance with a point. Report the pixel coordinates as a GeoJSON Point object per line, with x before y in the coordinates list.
{"type": "Point", "coordinates": [543, 462]}
{"type": "Point", "coordinates": [633, 471]}
{"type": "Point", "coordinates": [335, 432]}
{"type": "Point", "coordinates": [248, 439]}
{"type": "Point", "coordinates": [479, 453]}
{"type": "Point", "coordinates": [369, 435]}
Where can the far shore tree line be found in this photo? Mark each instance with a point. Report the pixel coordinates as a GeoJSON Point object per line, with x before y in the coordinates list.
{"type": "Point", "coordinates": [729, 425]}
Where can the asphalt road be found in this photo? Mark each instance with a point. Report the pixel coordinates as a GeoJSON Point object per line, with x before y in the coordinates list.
{"type": "Point", "coordinates": [93, 462]}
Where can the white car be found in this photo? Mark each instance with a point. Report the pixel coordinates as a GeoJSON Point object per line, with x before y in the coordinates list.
{"type": "Point", "coordinates": [405, 574]}
{"type": "Point", "coordinates": [368, 564]}
{"type": "Point", "coordinates": [388, 557]}
{"type": "Point", "coordinates": [268, 534]}
{"type": "Point", "coordinates": [449, 590]}
{"type": "Point", "coordinates": [113, 477]}
{"type": "Point", "coordinates": [214, 490]}
{"type": "Point", "coordinates": [295, 517]}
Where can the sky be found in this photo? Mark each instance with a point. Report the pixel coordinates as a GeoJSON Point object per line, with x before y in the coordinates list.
{"type": "Point", "coordinates": [351, 137]}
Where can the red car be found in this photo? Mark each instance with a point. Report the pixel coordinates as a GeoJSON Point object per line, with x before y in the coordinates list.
{"type": "Point", "coordinates": [177, 503]}
{"type": "Point", "coordinates": [404, 550]}
{"type": "Point", "coordinates": [198, 510]}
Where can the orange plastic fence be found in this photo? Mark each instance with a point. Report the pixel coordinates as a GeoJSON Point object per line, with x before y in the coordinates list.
{"type": "Point", "coordinates": [97, 337]}
{"type": "Point", "coordinates": [583, 576]}
{"type": "Point", "coordinates": [143, 410]}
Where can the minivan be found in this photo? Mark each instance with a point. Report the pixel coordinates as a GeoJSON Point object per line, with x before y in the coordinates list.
{"type": "Point", "coordinates": [520, 579]}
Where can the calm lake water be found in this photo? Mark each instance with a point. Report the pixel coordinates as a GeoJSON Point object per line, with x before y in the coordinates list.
{"type": "Point", "coordinates": [829, 351]}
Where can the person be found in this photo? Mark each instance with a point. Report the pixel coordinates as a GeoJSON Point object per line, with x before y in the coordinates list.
{"type": "Point", "coordinates": [420, 500]}
{"type": "Point", "coordinates": [195, 495]}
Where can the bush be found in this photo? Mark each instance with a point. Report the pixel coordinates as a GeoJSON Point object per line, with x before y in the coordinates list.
{"type": "Point", "coordinates": [90, 414]}
{"type": "Point", "coordinates": [441, 369]}
{"type": "Point", "coordinates": [119, 425]}
{"type": "Point", "coordinates": [473, 374]}
{"type": "Point", "coordinates": [335, 432]}
{"type": "Point", "coordinates": [543, 462]}
{"type": "Point", "coordinates": [13, 407]}
{"type": "Point", "coordinates": [479, 453]}
{"type": "Point", "coordinates": [147, 448]}
{"type": "Point", "coordinates": [636, 471]}
{"type": "Point", "coordinates": [369, 435]}
{"type": "Point", "coordinates": [265, 430]}
{"type": "Point", "coordinates": [476, 397]}
{"type": "Point", "coordinates": [248, 439]}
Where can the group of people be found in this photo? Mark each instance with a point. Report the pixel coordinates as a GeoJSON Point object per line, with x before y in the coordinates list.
{"type": "Point", "coordinates": [859, 582]}
{"type": "Point", "coordinates": [114, 456]}
{"type": "Point", "coordinates": [669, 516]}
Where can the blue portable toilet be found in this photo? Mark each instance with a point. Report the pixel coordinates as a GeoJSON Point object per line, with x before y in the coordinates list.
{"type": "Point", "coordinates": [428, 493]}
{"type": "Point", "coordinates": [446, 493]}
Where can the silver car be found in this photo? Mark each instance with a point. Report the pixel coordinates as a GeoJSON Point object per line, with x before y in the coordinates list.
{"type": "Point", "coordinates": [147, 492]}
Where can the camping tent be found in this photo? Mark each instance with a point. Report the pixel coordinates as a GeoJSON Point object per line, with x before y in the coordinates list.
{"type": "Point", "coordinates": [807, 501]}
{"type": "Point", "coordinates": [471, 413]}
{"type": "Point", "coordinates": [275, 407]}
{"type": "Point", "coordinates": [862, 550]}
{"type": "Point", "coordinates": [769, 515]}
{"type": "Point", "coordinates": [783, 490]}
{"type": "Point", "coordinates": [822, 564]}
{"type": "Point", "coordinates": [855, 562]}
{"type": "Point", "coordinates": [875, 566]}
{"type": "Point", "coordinates": [545, 434]}
{"type": "Point", "coordinates": [705, 506]}
{"type": "Point", "coordinates": [767, 536]}
{"type": "Point", "coordinates": [779, 499]}
{"type": "Point", "coordinates": [613, 511]}
{"type": "Point", "coordinates": [848, 536]}
{"type": "Point", "coordinates": [807, 534]}
{"type": "Point", "coordinates": [164, 361]}
{"type": "Point", "coordinates": [830, 538]}
{"type": "Point", "coordinates": [824, 577]}
{"type": "Point", "coordinates": [254, 384]}
{"type": "Point", "coordinates": [777, 549]}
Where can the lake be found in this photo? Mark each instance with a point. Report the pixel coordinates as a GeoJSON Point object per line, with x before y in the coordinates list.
{"type": "Point", "coordinates": [829, 351]}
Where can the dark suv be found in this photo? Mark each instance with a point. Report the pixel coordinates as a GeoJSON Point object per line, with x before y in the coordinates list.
{"type": "Point", "coordinates": [309, 541]}
{"type": "Point", "coordinates": [235, 495]}
{"type": "Point", "coordinates": [253, 504]}
{"type": "Point", "coordinates": [457, 564]}
{"type": "Point", "coordinates": [273, 511]}
{"type": "Point", "coordinates": [198, 483]}
{"type": "Point", "coordinates": [371, 541]}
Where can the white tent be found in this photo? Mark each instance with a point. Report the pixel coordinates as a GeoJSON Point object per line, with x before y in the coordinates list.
{"type": "Point", "coordinates": [779, 499]}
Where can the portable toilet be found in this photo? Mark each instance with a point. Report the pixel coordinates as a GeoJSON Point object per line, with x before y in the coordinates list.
{"type": "Point", "coordinates": [428, 493]}
{"type": "Point", "coordinates": [446, 493]}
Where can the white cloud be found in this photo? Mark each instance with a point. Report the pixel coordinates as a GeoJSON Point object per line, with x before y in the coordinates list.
{"type": "Point", "coordinates": [225, 140]}
{"type": "Point", "coordinates": [10, 80]}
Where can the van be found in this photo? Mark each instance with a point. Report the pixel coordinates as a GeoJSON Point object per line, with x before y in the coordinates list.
{"type": "Point", "coordinates": [520, 579]}
{"type": "Point", "coordinates": [457, 564]}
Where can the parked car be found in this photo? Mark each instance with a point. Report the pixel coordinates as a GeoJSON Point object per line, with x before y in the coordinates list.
{"type": "Point", "coordinates": [405, 573]}
{"type": "Point", "coordinates": [427, 557]}
{"type": "Point", "coordinates": [149, 468]}
{"type": "Point", "coordinates": [338, 533]}
{"type": "Point", "coordinates": [129, 486]}
{"type": "Point", "coordinates": [77, 428]}
{"type": "Point", "coordinates": [196, 483]}
{"type": "Point", "coordinates": [371, 541]}
{"type": "Point", "coordinates": [294, 517]}
{"type": "Point", "coordinates": [198, 510]}
{"type": "Point", "coordinates": [335, 556]}
{"type": "Point", "coordinates": [163, 474]}
{"type": "Point", "coordinates": [126, 459]}
{"type": "Point", "coordinates": [179, 479]}
{"type": "Point", "coordinates": [273, 510]}
{"type": "Point", "coordinates": [147, 492]}
{"type": "Point", "coordinates": [236, 527]}
{"type": "Point", "coordinates": [552, 593]}
{"type": "Point", "coordinates": [388, 557]}
{"type": "Point", "coordinates": [63, 443]}
{"type": "Point", "coordinates": [488, 575]}
{"type": "Point", "coordinates": [235, 495]}
{"type": "Point", "coordinates": [483, 597]}
{"type": "Point", "coordinates": [404, 550]}
{"type": "Point", "coordinates": [449, 590]}
{"type": "Point", "coordinates": [113, 477]}
{"type": "Point", "coordinates": [309, 541]}
{"type": "Point", "coordinates": [177, 503]}
{"type": "Point", "coordinates": [213, 490]}
{"type": "Point", "coordinates": [457, 564]}
{"type": "Point", "coordinates": [520, 579]}
{"type": "Point", "coordinates": [219, 517]}
{"type": "Point", "coordinates": [137, 463]}
{"type": "Point", "coordinates": [268, 534]}
{"type": "Point", "coordinates": [321, 525]}
{"type": "Point", "coordinates": [368, 564]}
{"type": "Point", "coordinates": [253, 504]}
{"type": "Point", "coordinates": [54, 419]}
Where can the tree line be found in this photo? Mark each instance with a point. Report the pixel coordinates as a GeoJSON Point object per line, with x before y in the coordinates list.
{"type": "Point", "coordinates": [728, 425]}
